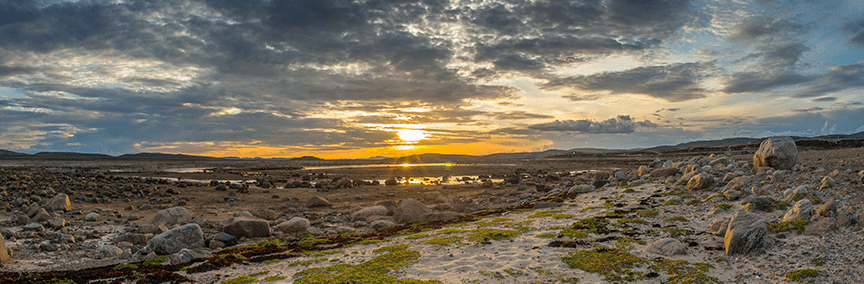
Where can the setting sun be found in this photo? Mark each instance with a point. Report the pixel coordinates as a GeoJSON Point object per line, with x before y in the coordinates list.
{"type": "Point", "coordinates": [411, 135]}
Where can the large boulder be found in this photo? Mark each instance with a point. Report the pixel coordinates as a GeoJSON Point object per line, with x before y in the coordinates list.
{"type": "Point", "coordinates": [364, 213]}
{"type": "Point", "coordinates": [186, 236]}
{"type": "Point", "coordinates": [317, 201]}
{"type": "Point", "coordinates": [666, 247]}
{"type": "Point", "coordinates": [246, 227]}
{"type": "Point", "coordinates": [294, 225]}
{"type": "Point", "coordinates": [745, 234]}
{"type": "Point", "coordinates": [802, 210]}
{"type": "Point", "coordinates": [409, 210]}
{"type": "Point", "coordinates": [664, 172]}
{"type": "Point", "coordinates": [59, 203]}
{"type": "Point", "coordinates": [776, 152]}
{"type": "Point", "coordinates": [171, 216]}
{"type": "Point", "coordinates": [700, 181]}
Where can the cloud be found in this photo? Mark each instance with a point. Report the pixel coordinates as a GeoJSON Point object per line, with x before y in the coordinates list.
{"type": "Point", "coordinates": [755, 28]}
{"type": "Point", "coordinates": [676, 82]}
{"type": "Point", "coordinates": [622, 124]}
{"type": "Point", "coordinates": [856, 28]}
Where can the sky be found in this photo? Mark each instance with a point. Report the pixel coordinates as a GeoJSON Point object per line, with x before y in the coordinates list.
{"type": "Point", "coordinates": [369, 78]}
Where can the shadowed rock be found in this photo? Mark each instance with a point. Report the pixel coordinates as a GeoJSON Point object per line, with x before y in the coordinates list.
{"type": "Point", "coordinates": [246, 227]}
{"type": "Point", "coordinates": [59, 203]}
{"type": "Point", "coordinates": [186, 236]}
{"type": "Point", "coordinates": [666, 247]}
{"type": "Point", "coordinates": [4, 256]}
{"type": "Point", "coordinates": [409, 210]}
{"type": "Point", "coordinates": [745, 234]}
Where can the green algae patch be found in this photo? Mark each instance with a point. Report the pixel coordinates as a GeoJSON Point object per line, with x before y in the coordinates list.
{"type": "Point", "coordinates": [440, 242]}
{"type": "Point", "coordinates": [683, 272]}
{"type": "Point", "coordinates": [451, 231]}
{"type": "Point", "coordinates": [547, 235]}
{"type": "Point", "coordinates": [801, 274]}
{"type": "Point", "coordinates": [274, 278]}
{"type": "Point", "coordinates": [380, 269]}
{"type": "Point", "coordinates": [484, 235]}
{"type": "Point", "coordinates": [647, 213]}
{"type": "Point", "coordinates": [240, 280]}
{"type": "Point", "coordinates": [370, 242]}
{"type": "Point", "coordinates": [612, 264]}
{"type": "Point", "coordinates": [632, 220]}
{"type": "Point", "coordinates": [671, 202]}
{"type": "Point", "coordinates": [155, 261]}
{"type": "Point", "coordinates": [309, 241]}
{"type": "Point", "coordinates": [676, 219]}
{"type": "Point", "coordinates": [307, 262]}
{"type": "Point", "coordinates": [797, 225]}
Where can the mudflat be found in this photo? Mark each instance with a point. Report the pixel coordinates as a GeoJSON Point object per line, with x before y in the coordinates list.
{"type": "Point", "coordinates": [512, 221]}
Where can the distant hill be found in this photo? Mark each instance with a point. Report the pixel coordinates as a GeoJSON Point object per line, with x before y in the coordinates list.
{"type": "Point", "coordinates": [70, 156]}
{"type": "Point", "coordinates": [7, 153]}
{"type": "Point", "coordinates": [160, 156]}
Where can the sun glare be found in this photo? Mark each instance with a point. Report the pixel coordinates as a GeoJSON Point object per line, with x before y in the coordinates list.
{"type": "Point", "coordinates": [411, 135]}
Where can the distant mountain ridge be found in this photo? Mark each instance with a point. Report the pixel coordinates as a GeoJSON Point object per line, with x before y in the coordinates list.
{"type": "Point", "coordinates": [740, 142]}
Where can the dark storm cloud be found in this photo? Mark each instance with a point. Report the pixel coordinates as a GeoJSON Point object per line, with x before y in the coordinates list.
{"type": "Point", "coordinates": [856, 29]}
{"type": "Point", "coordinates": [825, 99]}
{"type": "Point", "coordinates": [622, 124]}
{"type": "Point", "coordinates": [756, 28]}
{"type": "Point", "coordinates": [677, 82]}
{"type": "Point", "coordinates": [751, 82]}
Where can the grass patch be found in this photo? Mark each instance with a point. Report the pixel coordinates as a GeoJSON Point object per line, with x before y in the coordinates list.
{"type": "Point", "coordinates": [797, 225]}
{"type": "Point", "coordinates": [262, 273]}
{"type": "Point", "coordinates": [801, 274]}
{"type": "Point", "coordinates": [440, 242]}
{"type": "Point", "coordinates": [612, 264]}
{"type": "Point", "coordinates": [675, 232]}
{"type": "Point", "coordinates": [61, 281]}
{"type": "Point", "coordinates": [671, 202]}
{"type": "Point", "coordinates": [271, 261]}
{"type": "Point", "coordinates": [484, 235]}
{"type": "Point", "coordinates": [321, 253]}
{"type": "Point", "coordinates": [815, 199]}
{"type": "Point", "coordinates": [381, 269]}
{"type": "Point", "coordinates": [817, 261]}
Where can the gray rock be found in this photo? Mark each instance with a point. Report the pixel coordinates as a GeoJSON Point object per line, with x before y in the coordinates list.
{"type": "Point", "coordinates": [61, 238]}
{"type": "Point", "coordinates": [828, 209]}
{"type": "Point", "coordinates": [294, 225]}
{"type": "Point", "coordinates": [137, 239]}
{"type": "Point", "coordinates": [41, 216]}
{"type": "Point", "coordinates": [22, 219]}
{"type": "Point", "coordinates": [664, 172]}
{"type": "Point", "coordinates": [745, 234]}
{"type": "Point", "coordinates": [821, 226]}
{"type": "Point", "coordinates": [827, 182]}
{"type": "Point", "coordinates": [33, 227]}
{"type": "Point", "coordinates": [776, 152]}
{"type": "Point", "coordinates": [643, 170]}
{"type": "Point", "coordinates": [246, 227]}
{"type": "Point", "coordinates": [580, 188]}
{"type": "Point", "coordinates": [439, 216]}
{"type": "Point", "coordinates": [266, 214]}
{"type": "Point", "coordinates": [188, 255]}
{"type": "Point", "coordinates": [409, 210]}
{"type": "Point", "coordinates": [186, 236]}
{"type": "Point", "coordinates": [317, 201]}
{"type": "Point", "coordinates": [226, 239]}
{"type": "Point", "coordinates": [108, 251]}
{"type": "Point", "coordinates": [57, 223]}
{"type": "Point", "coordinates": [364, 213]}
{"type": "Point", "coordinates": [378, 224]}
{"type": "Point", "coordinates": [171, 216]}
{"type": "Point", "coordinates": [719, 227]}
{"type": "Point", "coordinates": [666, 247]}
{"type": "Point", "coordinates": [700, 181]}
{"type": "Point", "coordinates": [758, 203]}
{"type": "Point", "coordinates": [60, 202]}
{"type": "Point", "coordinates": [803, 209]}
{"type": "Point", "coordinates": [91, 217]}
{"type": "Point", "coordinates": [732, 194]}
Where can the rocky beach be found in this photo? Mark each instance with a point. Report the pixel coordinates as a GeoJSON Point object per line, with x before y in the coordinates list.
{"type": "Point", "coordinates": [776, 214]}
